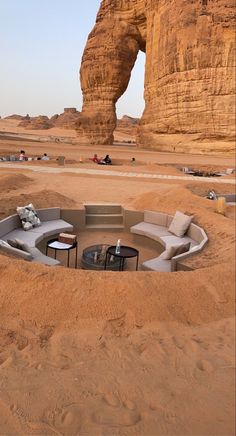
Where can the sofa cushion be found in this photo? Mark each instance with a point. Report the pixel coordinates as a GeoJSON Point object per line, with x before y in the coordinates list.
{"type": "Point", "coordinates": [18, 243]}
{"type": "Point", "coordinates": [175, 240]}
{"type": "Point", "coordinates": [39, 257]}
{"type": "Point", "coordinates": [30, 237]}
{"type": "Point", "coordinates": [183, 248]}
{"type": "Point", "coordinates": [28, 217]}
{"type": "Point", "coordinates": [156, 264]}
{"type": "Point", "coordinates": [168, 253]}
{"type": "Point", "coordinates": [53, 227]}
{"type": "Point", "coordinates": [174, 250]}
{"type": "Point", "coordinates": [180, 224]}
{"type": "Point", "coordinates": [8, 249]}
{"type": "Point", "coordinates": [152, 231]}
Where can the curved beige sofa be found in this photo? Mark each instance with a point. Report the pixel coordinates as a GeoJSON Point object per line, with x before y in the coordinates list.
{"type": "Point", "coordinates": [51, 224]}
{"type": "Point", "coordinates": [155, 226]}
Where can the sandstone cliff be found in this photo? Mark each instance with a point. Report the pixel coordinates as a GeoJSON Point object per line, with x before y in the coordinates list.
{"type": "Point", "coordinates": [189, 73]}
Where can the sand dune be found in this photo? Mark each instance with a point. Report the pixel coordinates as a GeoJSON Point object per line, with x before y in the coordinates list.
{"type": "Point", "coordinates": [104, 353]}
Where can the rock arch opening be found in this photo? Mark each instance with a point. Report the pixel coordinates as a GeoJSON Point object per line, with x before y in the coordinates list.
{"type": "Point", "coordinates": [132, 101]}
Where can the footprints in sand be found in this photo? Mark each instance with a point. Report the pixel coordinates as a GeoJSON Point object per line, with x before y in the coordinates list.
{"type": "Point", "coordinates": [120, 326]}
{"type": "Point", "coordinates": [106, 410]}
{"type": "Point", "coordinates": [16, 345]}
{"type": "Point", "coordinates": [120, 417]}
{"type": "Point", "coordinates": [115, 412]}
{"type": "Point", "coordinates": [205, 366]}
{"type": "Point", "coordinates": [65, 421]}
{"type": "Point", "coordinates": [8, 337]}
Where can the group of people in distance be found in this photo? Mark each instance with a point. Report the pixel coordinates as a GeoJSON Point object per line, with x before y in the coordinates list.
{"type": "Point", "coordinates": [102, 161]}
{"type": "Point", "coordinates": [23, 156]}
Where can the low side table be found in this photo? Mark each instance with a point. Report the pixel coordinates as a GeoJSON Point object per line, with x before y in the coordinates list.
{"type": "Point", "coordinates": [55, 245]}
{"type": "Point", "coordinates": [125, 253]}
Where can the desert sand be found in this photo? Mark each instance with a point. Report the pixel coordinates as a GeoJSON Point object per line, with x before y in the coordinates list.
{"type": "Point", "coordinates": [117, 353]}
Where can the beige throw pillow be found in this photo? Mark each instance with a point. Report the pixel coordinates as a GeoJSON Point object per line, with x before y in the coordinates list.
{"type": "Point", "coordinates": [168, 253]}
{"type": "Point", "coordinates": [180, 224]}
{"type": "Point", "coordinates": [20, 245]}
{"type": "Point", "coordinates": [183, 248]}
{"type": "Point", "coordinates": [175, 250]}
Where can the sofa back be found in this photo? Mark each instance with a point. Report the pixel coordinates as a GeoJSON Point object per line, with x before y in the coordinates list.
{"type": "Point", "coordinates": [13, 222]}
{"type": "Point", "coordinates": [196, 233]}
{"type": "Point", "coordinates": [158, 218]}
{"type": "Point", "coordinates": [9, 224]}
{"type": "Point", "coordinates": [49, 214]}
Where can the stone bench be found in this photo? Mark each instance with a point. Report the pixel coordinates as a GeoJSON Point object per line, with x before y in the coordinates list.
{"type": "Point", "coordinates": [155, 226]}
{"type": "Point", "coordinates": [51, 224]}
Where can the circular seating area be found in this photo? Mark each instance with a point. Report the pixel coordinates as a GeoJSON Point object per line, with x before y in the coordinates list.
{"type": "Point", "coordinates": [150, 225]}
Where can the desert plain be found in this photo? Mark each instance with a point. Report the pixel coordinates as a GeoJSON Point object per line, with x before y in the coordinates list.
{"type": "Point", "coordinates": [116, 353]}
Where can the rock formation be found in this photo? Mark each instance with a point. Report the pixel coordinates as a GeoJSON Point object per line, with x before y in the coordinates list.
{"type": "Point", "coordinates": [41, 122]}
{"type": "Point", "coordinates": [189, 72]}
{"type": "Point", "coordinates": [17, 117]}
{"type": "Point", "coordinates": [67, 119]}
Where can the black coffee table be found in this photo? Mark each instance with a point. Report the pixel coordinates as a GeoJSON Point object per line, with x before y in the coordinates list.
{"type": "Point", "coordinates": [55, 245]}
{"type": "Point", "coordinates": [125, 253]}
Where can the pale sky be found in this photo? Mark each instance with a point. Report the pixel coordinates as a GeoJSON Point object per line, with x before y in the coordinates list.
{"type": "Point", "coordinates": [41, 44]}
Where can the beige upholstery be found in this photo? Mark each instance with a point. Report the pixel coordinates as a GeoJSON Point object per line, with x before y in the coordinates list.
{"type": "Point", "coordinates": [195, 232]}
{"type": "Point", "coordinates": [180, 224]}
{"type": "Point", "coordinates": [153, 230]}
{"type": "Point", "coordinates": [155, 218]}
{"type": "Point", "coordinates": [156, 265]}
{"type": "Point", "coordinates": [175, 240]}
{"type": "Point", "coordinates": [8, 249]}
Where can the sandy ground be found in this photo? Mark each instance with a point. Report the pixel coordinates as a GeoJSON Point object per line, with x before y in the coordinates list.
{"type": "Point", "coordinates": [106, 353]}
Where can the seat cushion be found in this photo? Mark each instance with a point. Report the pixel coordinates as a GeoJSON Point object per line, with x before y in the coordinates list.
{"type": "Point", "coordinates": [175, 240]}
{"type": "Point", "coordinates": [31, 238]}
{"type": "Point", "coordinates": [49, 228]}
{"type": "Point", "coordinates": [152, 231]}
{"type": "Point", "coordinates": [39, 257]}
{"type": "Point", "coordinates": [156, 264]}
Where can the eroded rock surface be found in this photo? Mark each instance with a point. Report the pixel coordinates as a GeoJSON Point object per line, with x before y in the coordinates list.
{"type": "Point", "coordinates": [189, 72]}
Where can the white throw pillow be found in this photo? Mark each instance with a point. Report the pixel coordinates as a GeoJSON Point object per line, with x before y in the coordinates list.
{"type": "Point", "coordinates": [180, 224]}
{"type": "Point", "coordinates": [28, 217]}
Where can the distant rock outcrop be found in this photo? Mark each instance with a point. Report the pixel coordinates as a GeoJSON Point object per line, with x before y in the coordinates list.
{"type": "Point", "coordinates": [67, 119]}
{"type": "Point", "coordinates": [41, 122]}
{"type": "Point", "coordinates": [17, 117]}
{"type": "Point", "coordinates": [128, 127]}
{"type": "Point", "coordinates": [127, 122]}
{"type": "Point", "coordinates": [189, 72]}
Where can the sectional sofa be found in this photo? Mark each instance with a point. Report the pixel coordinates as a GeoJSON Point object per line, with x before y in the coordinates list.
{"type": "Point", "coordinates": [51, 224]}
{"type": "Point", "coordinates": [155, 226]}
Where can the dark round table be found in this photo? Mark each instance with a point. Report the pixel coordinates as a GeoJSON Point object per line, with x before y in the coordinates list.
{"type": "Point", "coordinates": [125, 253]}
{"type": "Point", "coordinates": [55, 245]}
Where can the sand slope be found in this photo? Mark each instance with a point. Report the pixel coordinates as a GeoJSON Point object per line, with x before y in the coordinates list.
{"type": "Point", "coordinates": [86, 353]}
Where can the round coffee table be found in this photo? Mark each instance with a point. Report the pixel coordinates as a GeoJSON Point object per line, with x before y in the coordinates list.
{"type": "Point", "coordinates": [125, 253]}
{"type": "Point", "coordinates": [55, 245]}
